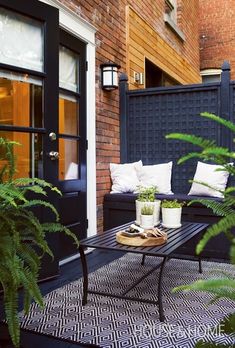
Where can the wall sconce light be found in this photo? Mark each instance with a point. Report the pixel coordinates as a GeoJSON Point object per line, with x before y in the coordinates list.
{"type": "Point", "coordinates": [139, 78]}
{"type": "Point", "coordinates": [109, 76]}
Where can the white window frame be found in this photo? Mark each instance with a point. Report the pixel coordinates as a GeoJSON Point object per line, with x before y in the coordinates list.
{"type": "Point", "coordinates": [170, 18]}
{"type": "Point", "coordinates": [211, 72]}
{"type": "Point", "coordinates": [172, 6]}
{"type": "Point", "coordinates": [80, 28]}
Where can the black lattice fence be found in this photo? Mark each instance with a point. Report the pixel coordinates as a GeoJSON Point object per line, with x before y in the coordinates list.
{"type": "Point", "coordinates": [148, 115]}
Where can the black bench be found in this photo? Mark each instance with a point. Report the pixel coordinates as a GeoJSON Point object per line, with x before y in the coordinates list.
{"type": "Point", "coordinates": [119, 208]}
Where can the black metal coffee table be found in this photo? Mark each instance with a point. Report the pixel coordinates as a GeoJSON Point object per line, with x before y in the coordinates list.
{"type": "Point", "coordinates": [176, 238]}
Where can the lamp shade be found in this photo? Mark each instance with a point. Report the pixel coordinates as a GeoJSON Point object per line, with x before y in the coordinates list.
{"type": "Point", "coordinates": [109, 76]}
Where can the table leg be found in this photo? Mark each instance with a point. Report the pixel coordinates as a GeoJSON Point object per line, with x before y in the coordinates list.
{"type": "Point", "coordinates": [160, 306]}
{"type": "Point", "coordinates": [200, 265]}
{"type": "Point", "coordinates": [85, 275]}
{"type": "Point", "coordinates": [143, 259]}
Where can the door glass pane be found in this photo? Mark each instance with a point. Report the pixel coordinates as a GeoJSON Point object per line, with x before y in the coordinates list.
{"type": "Point", "coordinates": [69, 69]}
{"type": "Point", "coordinates": [68, 159]}
{"type": "Point", "coordinates": [20, 100]}
{"type": "Point", "coordinates": [68, 115]}
{"type": "Point", "coordinates": [28, 154]}
{"type": "Point", "coordinates": [21, 41]}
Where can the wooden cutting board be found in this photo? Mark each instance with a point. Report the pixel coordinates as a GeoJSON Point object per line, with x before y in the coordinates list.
{"type": "Point", "coordinates": [139, 241]}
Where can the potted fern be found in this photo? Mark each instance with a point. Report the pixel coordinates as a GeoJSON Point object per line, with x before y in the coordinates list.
{"type": "Point", "coordinates": [146, 195]}
{"type": "Point", "coordinates": [22, 237]}
{"type": "Point", "coordinates": [223, 286]}
{"type": "Point", "coordinates": [171, 213]}
{"type": "Point", "coordinates": [146, 217]}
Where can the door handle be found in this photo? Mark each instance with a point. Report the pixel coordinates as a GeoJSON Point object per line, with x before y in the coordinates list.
{"type": "Point", "coordinates": [52, 136]}
{"type": "Point", "coordinates": [54, 155]}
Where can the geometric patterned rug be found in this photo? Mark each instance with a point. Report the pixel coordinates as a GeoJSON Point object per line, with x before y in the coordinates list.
{"type": "Point", "coordinates": [113, 323]}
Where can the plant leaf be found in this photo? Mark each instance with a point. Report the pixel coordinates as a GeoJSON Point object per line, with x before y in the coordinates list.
{"type": "Point", "coordinates": [223, 225]}
{"type": "Point", "coordinates": [220, 120]}
{"type": "Point", "coordinates": [193, 139]}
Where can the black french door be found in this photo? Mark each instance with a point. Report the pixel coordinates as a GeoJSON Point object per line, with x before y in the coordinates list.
{"type": "Point", "coordinates": [35, 112]}
{"type": "Point", "coordinates": [31, 91]}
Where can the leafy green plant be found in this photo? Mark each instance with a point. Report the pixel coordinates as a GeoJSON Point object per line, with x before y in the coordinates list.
{"type": "Point", "coordinates": [172, 204]}
{"type": "Point", "coordinates": [147, 210]}
{"type": "Point", "coordinates": [225, 285]}
{"type": "Point", "coordinates": [22, 237]}
{"type": "Point", "coordinates": [146, 194]}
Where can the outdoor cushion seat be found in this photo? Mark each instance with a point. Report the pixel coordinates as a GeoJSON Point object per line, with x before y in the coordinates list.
{"type": "Point", "coordinates": [127, 197]}
{"type": "Point", "coordinates": [120, 201]}
{"type": "Point", "coordinates": [119, 208]}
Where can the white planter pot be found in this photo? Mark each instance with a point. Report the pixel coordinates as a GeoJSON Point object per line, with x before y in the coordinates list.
{"type": "Point", "coordinates": [146, 221]}
{"type": "Point", "coordinates": [156, 210]}
{"type": "Point", "coordinates": [171, 217]}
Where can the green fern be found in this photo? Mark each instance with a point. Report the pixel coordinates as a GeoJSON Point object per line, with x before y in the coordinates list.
{"type": "Point", "coordinates": [229, 190]}
{"type": "Point", "coordinates": [224, 225]}
{"type": "Point", "coordinates": [232, 252]}
{"type": "Point", "coordinates": [229, 324]}
{"type": "Point", "coordinates": [22, 237]}
{"type": "Point", "coordinates": [193, 139]}
{"type": "Point", "coordinates": [202, 344]}
{"type": "Point", "coordinates": [38, 202]}
{"type": "Point", "coordinates": [218, 151]}
{"type": "Point", "coordinates": [189, 156]}
{"type": "Point", "coordinates": [222, 287]}
{"type": "Point", "coordinates": [218, 208]}
{"type": "Point", "coordinates": [207, 185]}
{"type": "Point", "coordinates": [11, 307]}
{"type": "Point", "coordinates": [52, 228]}
{"type": "Point", "coordinates": [8, 171]}
{"type": "Point", "coordinates": [228, 124]}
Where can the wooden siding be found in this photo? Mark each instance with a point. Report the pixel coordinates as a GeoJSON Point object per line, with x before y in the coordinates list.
{"type": "Point", "coordinates": [144, 42]}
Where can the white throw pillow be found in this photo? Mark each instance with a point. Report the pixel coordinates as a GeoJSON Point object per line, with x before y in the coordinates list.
{"type": "Point", "coordinates": [158, 175]}
{"type": "Point", "coordinates": [208, 174]}
{"type": "Point", "coordinates": [124, 177]}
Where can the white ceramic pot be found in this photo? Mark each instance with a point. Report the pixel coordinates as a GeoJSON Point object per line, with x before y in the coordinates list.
{"type": "Point", "coordinates": [147, 221]}
{"type": "Point", "coordinates": [171, 217]}
{"type": "Point", "coordinates": [156, 210]}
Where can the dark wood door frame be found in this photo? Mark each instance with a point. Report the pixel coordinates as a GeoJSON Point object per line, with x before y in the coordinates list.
{"type": "Point", "coordinates": [75, 191]}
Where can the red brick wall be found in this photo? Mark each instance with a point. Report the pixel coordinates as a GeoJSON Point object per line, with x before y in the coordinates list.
{"type": "Point", "coordinates": [109, 19]}
{"type": "Point", "coordinates": [188, 23]}
{"type": "Point", "coordinates": [217, 28]}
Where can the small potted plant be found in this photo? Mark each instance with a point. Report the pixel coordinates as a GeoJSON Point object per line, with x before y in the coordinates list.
{"type": "Point", "coordinates": [146, 217]}
{"type": "Point", "coordinates": [146, 195]}
{"type": "Point", "coordinates": [171, 213]}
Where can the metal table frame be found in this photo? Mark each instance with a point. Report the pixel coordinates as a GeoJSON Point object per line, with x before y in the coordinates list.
{"type": "Point", "coordinates": [176, 238]}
